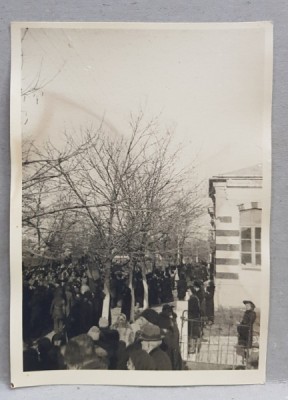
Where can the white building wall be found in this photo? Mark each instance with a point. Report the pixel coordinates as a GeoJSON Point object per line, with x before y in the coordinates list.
{"type": "Point", "coordinates": [234, 282]}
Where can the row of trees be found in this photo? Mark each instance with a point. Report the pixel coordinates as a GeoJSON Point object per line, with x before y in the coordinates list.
{"type": "Point", "coordinates": [104, 196]}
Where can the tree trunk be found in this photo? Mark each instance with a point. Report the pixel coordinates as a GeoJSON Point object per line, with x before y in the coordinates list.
{"type": "Point", "coordinates": [106, 302]}
{"type": "Point", "coordinates": [132, 312]}
{"type": "Point", "coordinates": [145, 285]}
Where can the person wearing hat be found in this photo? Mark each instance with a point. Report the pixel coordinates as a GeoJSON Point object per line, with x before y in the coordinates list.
{"type": "Point", "coordinates": [151, 339]}
{"type": "Point", "coordinates": [148, 315]}
{"type": "Point", "coordinates": [55, 359]}
{"type": "Point", "coordinates": [245, 328]}
{"type": "Point", "coordinates": [170, 344]}
{"type": "Point", "coordinates": [109, 341]}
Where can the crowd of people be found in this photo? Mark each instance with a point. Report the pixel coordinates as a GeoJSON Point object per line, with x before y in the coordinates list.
{"type": "Point", "coordinates": [63, 327]}
{"type": "Point", "coordinates": [54, 296]}
{"type": "Point", "coordinates": [68, 301]}
{"type": "Point", "coordinates": [149, 343]}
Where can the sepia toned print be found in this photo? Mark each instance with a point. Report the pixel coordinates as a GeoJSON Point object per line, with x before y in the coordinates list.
{"type": "Point", "coordinates": [140, 203]}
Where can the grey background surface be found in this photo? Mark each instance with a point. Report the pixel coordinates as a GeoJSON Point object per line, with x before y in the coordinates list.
{"type": "Point", "coordinates": [162, 11]}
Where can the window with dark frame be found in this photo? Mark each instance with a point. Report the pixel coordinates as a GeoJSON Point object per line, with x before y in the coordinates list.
{"type": "Point", "coordinates": [251, 245]}
{"type": "Point", "coordinates": [250, 231]}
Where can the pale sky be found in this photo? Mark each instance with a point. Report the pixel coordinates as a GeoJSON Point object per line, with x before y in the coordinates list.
{"type": "Point", "coordinates": [206, 84]}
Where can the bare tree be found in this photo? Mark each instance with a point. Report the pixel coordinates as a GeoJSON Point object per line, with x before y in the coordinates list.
{"type": "Point", "coordinates": [125, 191]}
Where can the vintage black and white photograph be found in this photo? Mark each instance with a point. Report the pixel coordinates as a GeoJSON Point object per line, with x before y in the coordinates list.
{"type": "Point", "coordinates": [140, 203]}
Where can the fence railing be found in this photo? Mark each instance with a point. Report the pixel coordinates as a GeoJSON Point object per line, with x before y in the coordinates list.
{"type": "Point", "coordinates": [217, 344]}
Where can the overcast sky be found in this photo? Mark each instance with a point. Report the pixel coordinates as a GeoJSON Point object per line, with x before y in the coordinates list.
{"type": "Point", "coordinates": [206, 84]}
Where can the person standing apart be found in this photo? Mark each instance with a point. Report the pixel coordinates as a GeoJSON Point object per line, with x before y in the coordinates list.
{"type": "Point", "coordinates": [245, 328]}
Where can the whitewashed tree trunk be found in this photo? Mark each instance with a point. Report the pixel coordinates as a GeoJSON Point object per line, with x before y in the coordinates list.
{"type": "Point", "coordinates": [106, 303]}
{"type": "Point", "coordinates": [145, 285]}
{"type": "Point", "coordinates": [132, 312]}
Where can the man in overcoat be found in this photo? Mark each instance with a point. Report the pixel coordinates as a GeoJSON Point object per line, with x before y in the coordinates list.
{"type": "Point", "coordinates": [245, 328]}
{"type": "Point", "coordinates": [151, 341]}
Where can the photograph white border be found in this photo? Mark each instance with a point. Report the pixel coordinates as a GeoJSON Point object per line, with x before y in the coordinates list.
{"type": "Point", "coordinates": [127, 378]}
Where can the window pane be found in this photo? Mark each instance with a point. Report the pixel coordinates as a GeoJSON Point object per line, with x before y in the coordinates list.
{"type": "Point", "coordinates": [257, 233]}
{"type": "Point", "coordinates": [246, 233]}
{"type": "Point", "coordinates": [246, 258]}
{"type": "Point", "coordinates": [258, 259]}
{"type": "Point", "coordinates": [258, 246]}
{"type": "Point", "coordinates": [246, 245]}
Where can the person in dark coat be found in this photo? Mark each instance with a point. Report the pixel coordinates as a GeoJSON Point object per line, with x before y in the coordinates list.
{"type": "Point", "coordinates": [30, 359]}
{"type": "Point", "coordinates": [170, 344]}
{"type": "Point", "coordinates": [245, 328]}
{"type": "Point", "coordinates": [86, 312]}
{"type": "Point", "coordinates": [181, 287]}
{"type": "Point", "coordinates": [209, 301]}
{"type": "Point", "coordinates": [35, 313]}
{"type": "Point", "coordinates": [109, 341]}
{"type": "Point", "coordinates": [126, 302]}
{"type": "Point", "coordinates": [55, 358]}
{"type": "Point", "coordinates": [73, 322]}
{"type": "Point", "coordinates": [140, 360]}
{"type": "Point", "coordinates": [44, 347]}
{"type": "Point", "coordinates": [151, 339]}
{"type": "Point", "coordinates": [194, 320]}
{"type": "Point", "coordinates": [138, 287]}
{"type": "Point", "coordinates": [97, 304]}
{"type": "Point", "coordinates": [166, 288]}
{"type": "Point", "coordinates": [200, 293]}
{"type": "Point", "coordinates": [153, 289]}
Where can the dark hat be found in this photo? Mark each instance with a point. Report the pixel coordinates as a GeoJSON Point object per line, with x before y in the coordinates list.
{"type": "Point", "coordinates": [167, 307]}
{"type": "Point", "coordinates": [151, 333]}
{"type": "Point", "coordinates": [164, 322]}
{"type": "Point", "coordinates": [151, 315]}
{"type": "Point", "coordinates": [249, 302]}
{"type": "Point", "coordinates": [59, 337]}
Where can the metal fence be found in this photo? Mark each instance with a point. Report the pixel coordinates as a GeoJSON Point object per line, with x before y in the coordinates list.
{"type": "Point", "coordinates": [216, 344]}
